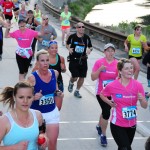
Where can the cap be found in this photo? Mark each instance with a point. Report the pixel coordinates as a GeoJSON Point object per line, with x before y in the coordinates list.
{"type": "Point", "coordinates": [109, 45]}
{"type": "Point", "coordinates": [21, 20]}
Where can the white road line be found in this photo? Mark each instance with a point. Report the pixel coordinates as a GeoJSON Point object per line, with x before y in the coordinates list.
{"type": "Point", "coordinates": [74, 122]}
{"type": "Point", "coordinates": [109, 138]}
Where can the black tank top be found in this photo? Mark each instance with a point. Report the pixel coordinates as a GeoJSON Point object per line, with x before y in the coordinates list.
{"type": "Point", "coordinates": [57, 67]}
{"type": "Point", "coordinates": [32, 23]}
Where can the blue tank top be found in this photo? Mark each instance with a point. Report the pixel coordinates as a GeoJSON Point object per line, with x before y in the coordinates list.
{"type": "Point", "coordinates": [47, 102]}
{"type": "Point", "coordinates": [17, 133]}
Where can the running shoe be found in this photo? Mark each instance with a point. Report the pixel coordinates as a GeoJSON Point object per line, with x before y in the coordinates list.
{"type": "Point", "coordinates": [70, 87]}
{"type": "Point", "coordinates": [99, 130]}
{"type": "Point", "coordinates": [103, 140]}
{"type": "Point", "coordinates": [77, 94]}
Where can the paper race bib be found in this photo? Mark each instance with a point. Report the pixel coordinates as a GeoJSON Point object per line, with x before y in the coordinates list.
{"type": "Point", "coordinates": [129, 112]}
{"type": "Point", "coordinates": [66, 21]}
{"type": "Point", "coordinates": [136, 50]}
{"type": "Point", "coordinates": [47, 99]}
{"type": "Point", "coordinates": [24, 52]}
{"type": "Point", "coordinates": [79, 49]}
{"type": "Point", "coordinates": [8, 10]}
{"type": "Point", "coordinates": [45, 43]}
{"type": "Point", "coordinates": [105, 82]}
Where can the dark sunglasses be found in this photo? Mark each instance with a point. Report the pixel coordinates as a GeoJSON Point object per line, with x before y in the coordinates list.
{"type": "Point", "coordinates": [81, 27]}
{"type": "Point", "coordinates": [45, 19]}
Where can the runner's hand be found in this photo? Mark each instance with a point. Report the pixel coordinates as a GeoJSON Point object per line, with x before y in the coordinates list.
{"type": "Point", "coordinates": [38, 95]}
{"type": "Point", "coordinates": [102, 68]}
{"type": "Point", "coordinates": [70, 50]}
{"type": "Point", "coordinates": [21, 145]}
{"type": "Point", "coordinates": [126, 49]}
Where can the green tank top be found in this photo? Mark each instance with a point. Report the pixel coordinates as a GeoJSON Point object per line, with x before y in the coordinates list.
{"type": "Point", "coordinates": [65, 22]}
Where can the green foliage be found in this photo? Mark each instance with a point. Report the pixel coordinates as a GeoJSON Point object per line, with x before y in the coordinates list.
{"type": "Point", "coordinates": [81, 8]}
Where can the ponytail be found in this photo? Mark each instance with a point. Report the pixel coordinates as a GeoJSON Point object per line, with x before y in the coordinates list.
{"type": "Point", "coordinates": [6, 97]}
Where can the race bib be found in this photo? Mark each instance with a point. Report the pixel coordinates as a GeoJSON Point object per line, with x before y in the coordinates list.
{"type": "Point", "coordinates": [129, 112]}
{"type": "Point", "coordinates": [24, 52]}
{"type": "Point", "coordinates": [45, 43]}
{"type": "Point", "coordinates": [79, 49]}
{"type": "Point", "coordinates": [8, 10]}
{"type": "Point", "coordinates": [136, 50]}
{"type": "Point", "coordinates": [66, 21]}
{"type": "Point", "coordinates": [105, 82]}
{"type": "Point", "coordinates": [47, 99]}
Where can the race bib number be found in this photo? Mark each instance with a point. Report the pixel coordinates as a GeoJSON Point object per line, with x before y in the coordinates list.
{"type": "Point", "coordinates": [47, 99]}
{"type": "Point", "coordinates": [129, 112]}
{"type": "Point", "coordinates": [8, 10]}
{"type": "Point", "coordinates": [45, 43]}
{"type": "Point", "coordinates": [79, 49]}
{"type": "Point", "coordinates": [66, 21]}
{"type": "Point", "coordinates": [136, 50]}
{"type": "Point", "coordinates": [23, 52]}
{"type": "Point", "coordinates": [105, 82]}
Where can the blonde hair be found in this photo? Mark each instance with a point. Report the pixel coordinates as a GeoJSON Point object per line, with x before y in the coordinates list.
{"type": "Point", "coordinates": [40, 53]}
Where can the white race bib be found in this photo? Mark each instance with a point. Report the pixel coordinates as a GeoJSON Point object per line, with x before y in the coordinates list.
{"type": "Point", "coordinates": [66, 21]}
{"type": "Point", "coordinates": [129, 112]}
{"type": "Point", "coordinates": [47, 99]}
{"type": "Point", "coordinates": [136, 50]}
{"type": "Point", "coordinates": [45, 43]}
{"type": "Point", "coordinates": [105, 82]}
{"type": "Point", "coordinates": [8, 10]}
{"type": "Point", "coordinates": [79, 49]}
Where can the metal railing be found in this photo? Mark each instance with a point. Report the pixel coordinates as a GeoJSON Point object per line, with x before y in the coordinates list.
{"type": "Point", "coordinates": [99, 33]}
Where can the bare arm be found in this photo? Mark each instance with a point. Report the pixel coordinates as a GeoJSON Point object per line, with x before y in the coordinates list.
{"type": "Point", "coordinates": [95, 75]}
{"type": "Point", "coordinates": [126, 45]}
{"type": "Point", "coordinates": [142, 100]}
{"type": "Point", "coordinates": [63, 66]}
{"type": "Point", "coordinates": [106, 100]}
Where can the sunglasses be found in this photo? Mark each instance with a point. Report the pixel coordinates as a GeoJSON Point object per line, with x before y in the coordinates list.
{"type": "Point", "coordinates": [45, 19]}
{"type": "Point", "coordinates": [81, 27]}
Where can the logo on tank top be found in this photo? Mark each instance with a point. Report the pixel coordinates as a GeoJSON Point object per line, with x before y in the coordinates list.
{"type": "Point", "coordinates": [118, 95]}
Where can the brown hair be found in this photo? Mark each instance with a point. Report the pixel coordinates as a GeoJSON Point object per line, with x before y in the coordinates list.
{"type": "Point", "coordinates": [121, 63]}
{"type": "Point", "coordinates": [6, 97]}
{"type": "Point", "coordinates": [137, 27]}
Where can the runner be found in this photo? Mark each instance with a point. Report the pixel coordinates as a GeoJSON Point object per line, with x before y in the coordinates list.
{"type": "Point", "coordinates": [104, 71]}
{"type": "Point", "coordinates": [32, 23]}
{"type": "Point", "coordinates": [2, 24]}
{"type": "Point", "coordinates": [79, 46]}
{"type": "Point", "coordinates": [24, 52]}
{"type": "Point", "coordinates": [23, 12]}
{"type": "Point", "coordinates": [44, 81]}
{"type": "Point", "coordinates": [136, 42]}
{"type": "Point", "coordinates": [20, 126]}
{"type": "Point", "coordinates": [49, 34]}
{"type": "Point", "coordinates": [125, 93]}
{"type": "Point", "coordinates": [37, 13]}
{"type": "Point", "coordinates": [16, 9]}
{"type": "Point", "coordinates": [65, 24]}
{"type": "Point", "coordinates": [57, 62]}
{"type": "Point", "coordinates": [8, 7]}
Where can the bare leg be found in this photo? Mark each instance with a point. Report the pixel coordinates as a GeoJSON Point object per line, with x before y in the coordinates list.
{"type": "Point", "coordinates": [80, 83]}
{"type": "Point", "coordinates": [136, 65]}
{"type": "Point", "coordinates": [103, 124]}
{"type": "Point", "coordinates": [21, 77]}
{"type": "Point", "coordinates": [52, 131]}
